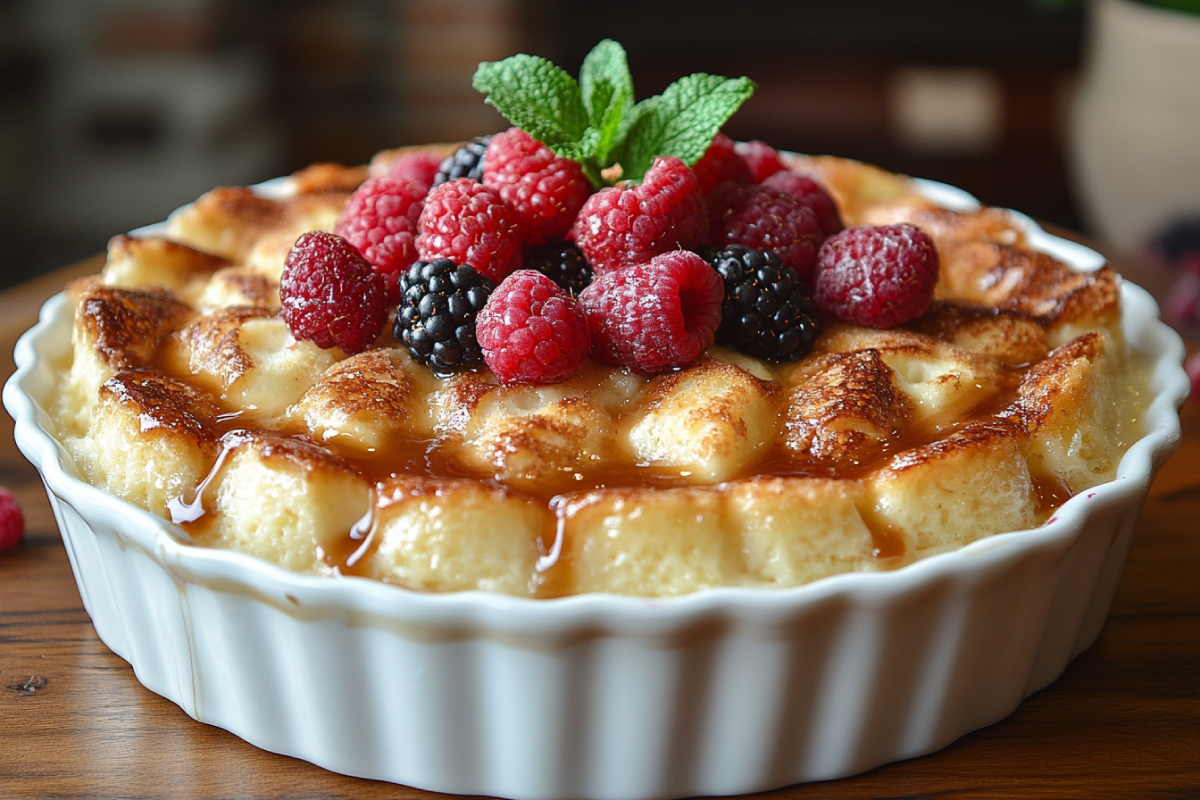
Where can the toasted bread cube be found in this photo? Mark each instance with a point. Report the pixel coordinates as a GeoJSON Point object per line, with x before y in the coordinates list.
{"type": "Point", "coordinates": [972, 484]}
{"type": "Point", "coordinates": [529, 436]}
{"type": "Point", "coordinates": [134, 263]}
{"type": "Point", "coordinates": [115, 330]}
{"type": "Point", "coordinates": [796, 530]}
{"type": "Point", "coordinates": [712, 420]}
{"type": "Point", "coordinates": [1012, 338]}
{"type": "Point", "coordinates": [1068, 403]}
{"type": "Point", "coordinates": [943, 382]}
{"type": "Point", "coordinates": [365, 403]}
{"type": "Point", "coordinates": [150, 440]}
{"type": "Point", "coordinates": [238, 286]}
{"type": "Point", "coordinates": [652, 543]}
{"type": "Point", "coordinates": [456, 535]}
{"type": "Point", "coordinates": [249, 358]}
{"type": "Point", "coordinates": [286, 501]}
{"type": "Point", "coordinates": [226, 221]}
{"type": "Point", "coordinates": [845, 413]}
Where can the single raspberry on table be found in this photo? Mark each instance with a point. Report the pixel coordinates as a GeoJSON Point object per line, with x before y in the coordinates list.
{"type": "Point", "coordinates": [331, 295]}
{"type": "Point", "coordinates": [419, 165]}
{"type": "Point", "coordinates": [763, 218]}
{"type": "Point", "coordinates": [12, 521]}
{"type": "Point", "coordinates": [469, 223]}
{"type": "Point", "coordinates": [380, 220]}
{"type": "Point", "coordinates": [545, 190]}
{"type": "Point", "coordinates": [650, 317]}
{"type": "Point", "coordinates": [762, 159]}
{"type": "Point", "coordinates": [811, 194]}
{"type": "Point", "coordinates": [624, 225]}
{"type": "Point", "coordinates": [879, 277]}
{"type": "Point", "coordinates": [532, 331]}
{"type": "Point", "coordinates": [721, 163]}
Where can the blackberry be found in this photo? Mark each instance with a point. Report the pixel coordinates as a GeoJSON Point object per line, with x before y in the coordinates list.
{"type": "Point", "coordinates": [562, 263]}
{"type": "Point", "coordinates": [439, 302]}
{"type": "Point", "coordinates": [466, 162]}
{"type": "Point", "coordinates": [767, 311]}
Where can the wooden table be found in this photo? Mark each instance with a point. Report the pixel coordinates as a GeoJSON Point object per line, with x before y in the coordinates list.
{"type": "Point", "coordinates": [1123, 721]}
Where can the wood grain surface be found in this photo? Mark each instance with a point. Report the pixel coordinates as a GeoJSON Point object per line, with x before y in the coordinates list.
{"type": "Point", "coordinates": [1123, 721]}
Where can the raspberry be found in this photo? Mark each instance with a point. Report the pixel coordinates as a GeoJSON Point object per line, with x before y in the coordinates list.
{"type": "Point", "coordinates": [811, 194]}
{"type": "Point", "coordinates": [767, 311]}
{"type": "Point", "coordinates": [562, 263]}
{"type": "Point", "coordinates": [762, 159]}
{"type": "Point", "coordinates": [653, 316]}
{"type": "Point", "coordinates": [465, 162]}
{"type": "Point", "coordinates": [470, 223]}
{"type": "Point", "coordinates": [439, 305]}
{"type": "Point", "coordinates": [380, 220]}
{"type": "Point", "coordinates": [330, 295]}
{"type": "Point", "coordinates": [719, 164]}
{"type": "Point", "coordinates": [421, 166]}
{"type": "Point", "coordinates": [878, 277]}
{"type": "Point", "coordinates": [545, 190]}
{"type": "Point", "coordinates": [762, 218]}
{"type": "Point", "coordinates": [620, 226]}
{"type": "Point", "coordinates": [532, 331]}
{"type": "Point", "coordinates": [12, 521]}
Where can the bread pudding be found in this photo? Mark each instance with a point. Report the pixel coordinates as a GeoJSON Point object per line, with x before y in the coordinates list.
{"type": "Point", "coordinates": [187, 395]}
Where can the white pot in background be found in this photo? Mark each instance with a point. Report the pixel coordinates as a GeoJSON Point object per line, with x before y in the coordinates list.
{"type": "Point", "coordinates": [1136, 128]}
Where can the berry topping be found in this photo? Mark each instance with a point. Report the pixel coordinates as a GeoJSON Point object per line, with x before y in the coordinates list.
{"type": "Point", "coordinates": [12, 521]}
{"type": "Point", "coordinates": [878, 277]}
{"type": "Point", "coordinates": [470, 223]}
{"type": "Point", "coordinates": [762, 218]}
{"type": "Point", "coordinates": [420, 165]}
{"type": "Point", "coordinates": [380, 220]}
{"type": "Point", "coordinates": [620, 226]}
{"type": "Point", "coordinates": [331, 295]}
{"type": "Point", "coordinates": [762, 159]}
{"type": "Point", "coordinates": [545, 190]}
{"type": "Point", "coordinates": [811, 194]}
{"type": "Point", "coordinates": [532, 331]}
{"type": "Point", "coordinates": [650, 317]}
{"type": "Point", "coordinates": [719, 164]}
{"type": "Point", "coordinates": [767, 311]}
{"type": "Point", "coordinates": [439, 303]}
{"type": "Point", "coordinates": [465, 162]}
{"type": "Point", "coordinates": [562, 263]}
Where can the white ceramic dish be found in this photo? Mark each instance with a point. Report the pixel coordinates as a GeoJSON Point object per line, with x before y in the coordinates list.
{"type": "Point", "coordinates": [720, 692]}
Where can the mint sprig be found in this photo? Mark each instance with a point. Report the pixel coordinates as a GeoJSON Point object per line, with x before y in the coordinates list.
{"type": "Point", "coordinates": [596, 122]}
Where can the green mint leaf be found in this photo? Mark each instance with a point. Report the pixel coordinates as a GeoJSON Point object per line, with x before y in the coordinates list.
{"type": "Point", "coordinates": [607, 89]}
{"type": "Point", "coordinates": [681, 121]}
{"type": "Point", "coordinates": [584, 153]}
{"type": "Point", "coordinates": [534, 95]}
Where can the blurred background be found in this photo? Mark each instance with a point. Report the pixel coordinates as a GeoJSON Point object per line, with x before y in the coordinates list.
{"type": "Point", "coordinates": [114, 112]}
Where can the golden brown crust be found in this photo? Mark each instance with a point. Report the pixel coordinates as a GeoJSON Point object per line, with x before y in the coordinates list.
{"type": "Point", "coordinates": [846, 414]}
{"type": "Point", "coordinates": [126, 326]}
{"type": "Point", "coordinates": [1028, 281]}
{"type": "Point", "coordinates": [164, 405]}
{"type": "Point", "coordinates": [212, 343]}
{"type": "Point", "coordinates": [328, 176]}
{"type": "Point", "coordinates": [1046, 387]}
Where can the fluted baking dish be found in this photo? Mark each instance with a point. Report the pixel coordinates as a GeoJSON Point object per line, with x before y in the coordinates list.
{"type": "Point", "coordinates": [719, 692]}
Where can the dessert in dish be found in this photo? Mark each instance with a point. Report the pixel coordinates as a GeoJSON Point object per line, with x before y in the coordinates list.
{"type": "Point", "coordinates": [973, 406]}
{"type": "Point", "coordinates": [723, 691]}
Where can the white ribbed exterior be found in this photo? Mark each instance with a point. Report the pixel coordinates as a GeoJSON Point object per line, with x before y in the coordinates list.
{"type": "Point", "coordinates": [721, 692]}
